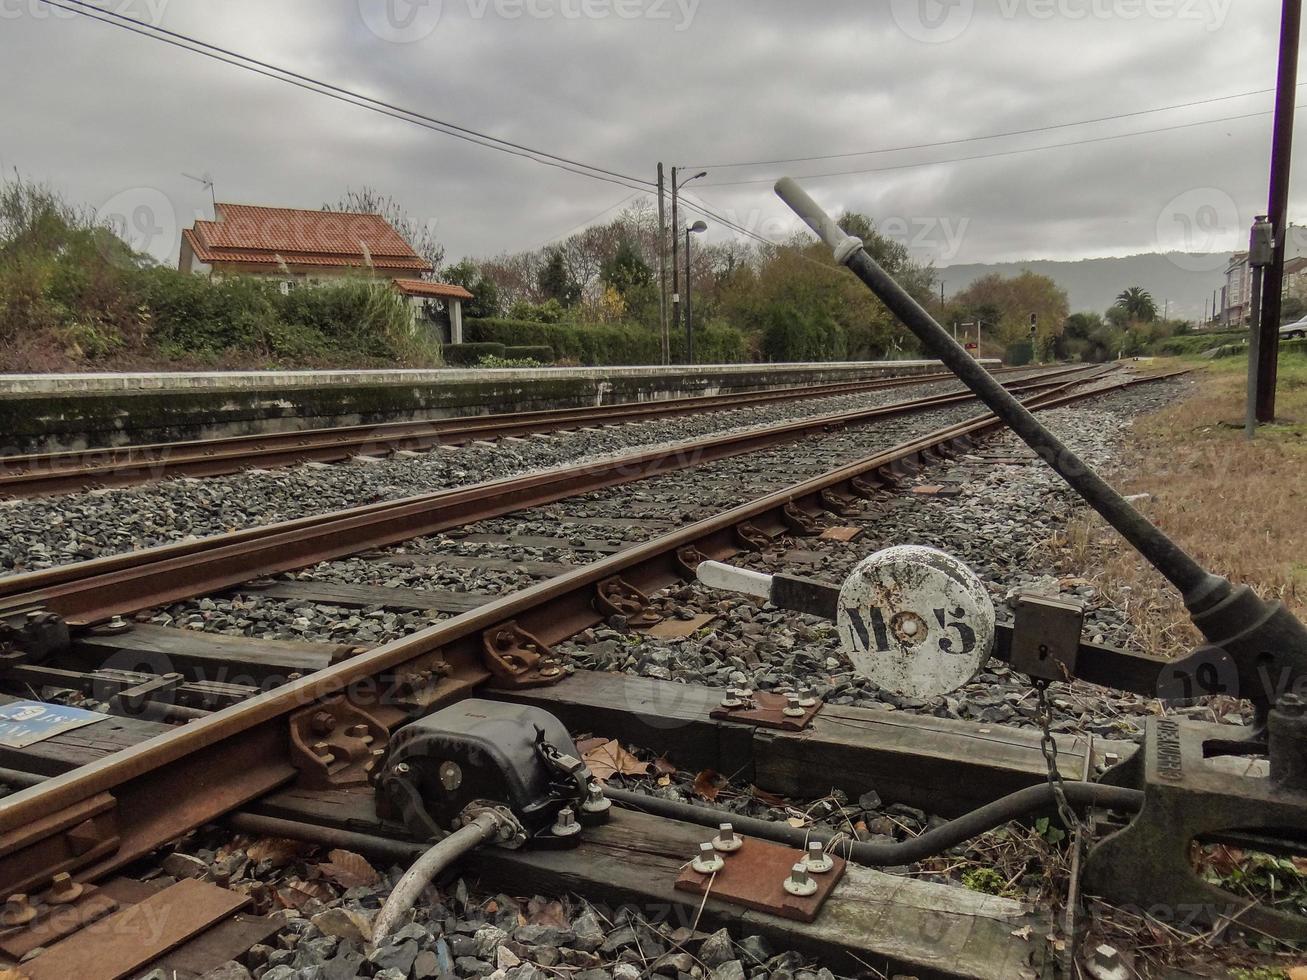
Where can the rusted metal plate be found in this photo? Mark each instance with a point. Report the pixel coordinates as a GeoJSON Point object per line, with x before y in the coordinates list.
{"type": "Point", "coordinates": [678, 629]}
{"type": "Point", "coordinates": [840, 533]}
{"type": "Point", "coordinates": [125, 941]}
{"type": "Point", "coordinates": [54, 922]}
{"type": "Point", "coordinates": [754, 877]}
{"type": "Point", "coordinates": [767, 711]}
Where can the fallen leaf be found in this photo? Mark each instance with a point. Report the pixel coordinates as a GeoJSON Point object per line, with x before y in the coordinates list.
{"type": "Point", "coordinates": [708, 784]}
{"type": "Point", "coordinates": [663, 767]}
{"type": "Point", "coordinates": [349, 870]}
{"type": "Point", "coordinates": [797, 822]}
{"type": "Point", "coordinates": [586, 744]}
{"type": "Point", "coordinates": [664, 780]}
{"type": "Point", "coordinates": [10, 973]}
{"type": "Point", "coordinates": [1298, 973]}
{"type": "Point", "coordinates": [276, 850]}
{"type": "Point", "coordinates": [542, 913]}
{"type": "Point", "coordinates": [1022, 933]}
{"type": "Point", "coordinates": [297, 894]}
{"type": "Point", "coordinates": [610, 759]}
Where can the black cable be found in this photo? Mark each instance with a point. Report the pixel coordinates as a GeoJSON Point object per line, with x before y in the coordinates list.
{"type": "Point", "coordinates": [1032, 799]}
{"type": "Point", "coordinates": [989, 136]}
{"type": "Point", "coordinates": [348, 96]}
{"type": "Point", "coordinates": [994, 155]}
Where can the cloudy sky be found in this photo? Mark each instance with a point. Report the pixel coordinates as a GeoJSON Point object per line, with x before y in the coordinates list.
{"type": "Point", "coordinates": [114, 120]}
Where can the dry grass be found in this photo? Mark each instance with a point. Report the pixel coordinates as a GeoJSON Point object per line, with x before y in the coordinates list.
{"type": "Point", "coordinates": [1238, 507]}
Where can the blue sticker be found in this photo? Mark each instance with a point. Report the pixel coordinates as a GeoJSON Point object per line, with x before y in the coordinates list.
{"type": "Point", "coordinates": [24, 723]}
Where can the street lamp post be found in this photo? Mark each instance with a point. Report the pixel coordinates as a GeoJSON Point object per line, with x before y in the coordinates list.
{"type": "Point", "coordinates": [677, 184]}
{"type": "Point", "coordinates": [697, 228]}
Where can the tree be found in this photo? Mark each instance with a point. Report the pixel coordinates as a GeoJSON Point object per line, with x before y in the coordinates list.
{"type": "Point", "coordinates": [421, 238]}
{"type": "Point", "coordinates": [1138, 304]}
{"type": "Point", "coordinates": [626, 271]}
{"type": "Point", "coordinates": [484, 303]}
{"type": "Point", "coordinates": [555, 281]}
{"type": "Point", "coordinates": [1013, 299]}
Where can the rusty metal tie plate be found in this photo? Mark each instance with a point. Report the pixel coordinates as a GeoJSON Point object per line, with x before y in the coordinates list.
{"type": "Point", "coordinates": [754, 877]}
{"type": "Point", "coordinates": [765, 710]}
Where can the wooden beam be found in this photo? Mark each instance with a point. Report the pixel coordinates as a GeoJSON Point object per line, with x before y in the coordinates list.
{"type": "Point", "coordinates": [895, 924]}
{"type": "Point", "coordinates": [941, 765]}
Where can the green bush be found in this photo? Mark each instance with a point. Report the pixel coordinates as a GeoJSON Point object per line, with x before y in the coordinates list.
{"type": "Point", "coordinates": [1197, 343]}
{"type": "Point", "coordinates": [1018, 354]}
{"type": "Point", "coordinates": [539, 354]}
{"type": "Point", "coordinates": [508, 362]}
{"type": "Point", "coordinates": [470, 355]}
{"type": "Point", "coordinates": [606, 345]}
{"type": "Point", "coordinates": [790, 334]}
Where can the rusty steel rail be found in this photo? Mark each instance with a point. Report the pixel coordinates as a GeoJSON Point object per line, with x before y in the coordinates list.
{"type": "Point", "coordinates": [68, 472]}
{"type": "Point", "coordinates": [95, 819]}
{"type": "Point", "coordinates": [85, 593]}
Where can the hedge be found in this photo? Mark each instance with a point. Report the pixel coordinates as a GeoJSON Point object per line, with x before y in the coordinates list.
{"type": "Point", "coordinates": [603, 345]}
{"type": "Point", "coordinates": [545, 355]}
{"type": "Point", "coordinates": [468, 355]}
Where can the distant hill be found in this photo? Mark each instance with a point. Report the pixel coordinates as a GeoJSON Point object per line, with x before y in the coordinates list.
{"type": "Point", "coordinates": [1184, 278]}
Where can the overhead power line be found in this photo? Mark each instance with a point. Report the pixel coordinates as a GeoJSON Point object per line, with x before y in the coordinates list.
{"type": "Point", "coordinates": [348, 96]}
{"type": "Point", "coordinates": [994, 155]}
{"type": "Point", "coordinates": [987, 136]}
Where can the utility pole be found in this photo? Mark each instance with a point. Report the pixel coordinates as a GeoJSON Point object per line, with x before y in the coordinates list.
{"type": "Point", "coordinates": [1268, 351]}
{"type": "Point", "coordinates": [676, 253]}
{"type": "Point", "coordinates": [941, 296]}
{"type": "Point", "coordinates": [1261, 252]}
{"type": "Point", "coordinates": [662, 271]}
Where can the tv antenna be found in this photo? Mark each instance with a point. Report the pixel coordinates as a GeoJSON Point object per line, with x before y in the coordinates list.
{"type": "Point", "coordinates": [207, 181]}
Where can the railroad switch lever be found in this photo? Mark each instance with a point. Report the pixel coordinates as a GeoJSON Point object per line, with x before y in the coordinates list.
{"type": "Point", "coordinates": [1256, 650]}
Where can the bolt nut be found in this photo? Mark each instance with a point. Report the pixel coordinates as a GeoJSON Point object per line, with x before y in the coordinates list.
{"type": "Point", "coordinates": [565, 825]}
{"type": "Point", "coordinates": [793, 707]}
{"type": "Point", "coordinates": [807, 696]}
{"type": "Point", "coordinates": [708, 860]}
{"type": "Point", "coordinates": [730, 703]}
{"type": "Point", "coordinates": [727, 840]}
{"type": "Point", "coordinates": [817, 860]}
{"type": "Point", "coordinates": [322, 723]}
{"type": "Point", "coordinates": [18, 911]}
{"type": "Point", "coordinates": [63, 890]}
{"type": "Point", "coordinates": [799, 882]}
{"type": "Point", "coordinates": [595, 801]}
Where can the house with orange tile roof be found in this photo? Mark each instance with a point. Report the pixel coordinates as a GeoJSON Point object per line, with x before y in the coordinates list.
{"type": "Point", "coordinates": [298, 248]}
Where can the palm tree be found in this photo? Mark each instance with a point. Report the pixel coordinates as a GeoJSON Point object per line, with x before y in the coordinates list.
{"type": "Point", "coordinates": [1138, 304]}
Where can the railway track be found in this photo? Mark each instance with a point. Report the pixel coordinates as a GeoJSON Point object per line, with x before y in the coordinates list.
{"type": "Point", "coordinates": [88, 592]}
{"type": "Point", "coordinates": [68, 472]}
{"type": "Point", "coordinates": [127, 805]}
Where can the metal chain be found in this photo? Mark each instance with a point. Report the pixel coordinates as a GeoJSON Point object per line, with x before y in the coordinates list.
{"type": "Point", "coordinates": [1044, 717]}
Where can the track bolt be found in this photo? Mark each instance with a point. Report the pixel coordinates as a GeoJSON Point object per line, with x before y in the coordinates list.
{"type": "Point", "coordinates": [818, 861]}
{"type": "Point", "coordinates": [18, 911]}
{"type": "Point", "coordinates": [708, 861]}
{"type": "Point", "coordinates": [595, 801]}
{"type": "Point", "coordinates": [565, 825]}
{"type": "Point", "coordinates": [727, 840]}
{"type": "Point", "coordinates": [799, 882]}
{"type": "Point", "coordinates": [807, 697]}
{"type": "Point", "coordinates": [116, 624]}
{"type": "Point", "coordinates": [793, 707]}
{"type": "Point", "coordinates": [63, 890]}
{"type": "Point", "coordinates": [730, 702]}
{"type": "Point", "coordinates": [323, 723]}
{"type": "Point", "coordinates": [1105, 963]}
{"type": "Point", "coordinates": [743, 693]}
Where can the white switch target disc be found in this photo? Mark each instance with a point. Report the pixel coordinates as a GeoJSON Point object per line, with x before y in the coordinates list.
{"type": "Point", "coordinates": [915, 621]}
